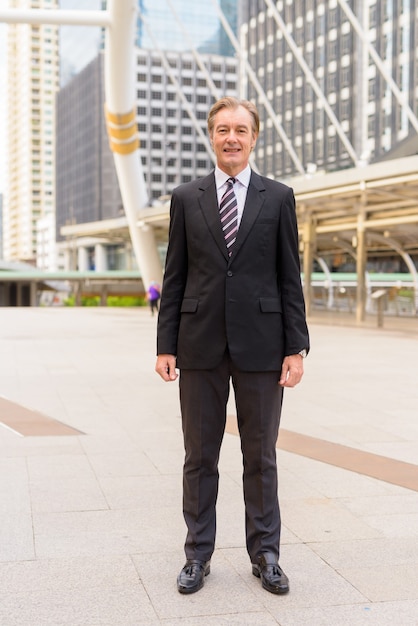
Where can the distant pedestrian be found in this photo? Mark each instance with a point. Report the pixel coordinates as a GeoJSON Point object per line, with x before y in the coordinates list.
{"type": "Point", "coordinates": [153, 296]}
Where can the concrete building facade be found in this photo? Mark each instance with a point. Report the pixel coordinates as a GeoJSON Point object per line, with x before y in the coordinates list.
{"type": "Point", "coordinates": [369, 114]}
{"type": "Point", "coordinates": [32, 84]}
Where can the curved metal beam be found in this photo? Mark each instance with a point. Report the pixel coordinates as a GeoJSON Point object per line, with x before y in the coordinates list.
{"type": "Point", "coordinates": [55, 16]}
{"type": "Point", "coordinates": [392, 243]}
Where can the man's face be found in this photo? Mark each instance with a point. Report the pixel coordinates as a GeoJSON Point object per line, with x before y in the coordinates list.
{"type": "Point", "coordinates": [233, 139]}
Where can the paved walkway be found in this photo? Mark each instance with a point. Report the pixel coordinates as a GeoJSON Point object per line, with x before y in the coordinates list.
{"type": "Point", "coordinates": [91, 530]}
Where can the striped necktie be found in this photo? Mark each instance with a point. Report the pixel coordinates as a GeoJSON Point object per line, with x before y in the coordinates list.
{"type": "Point", "coordinates": [229, 215]}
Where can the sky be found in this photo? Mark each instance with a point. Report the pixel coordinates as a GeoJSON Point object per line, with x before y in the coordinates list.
{"type": "Point", "coordinates": [78, 46]}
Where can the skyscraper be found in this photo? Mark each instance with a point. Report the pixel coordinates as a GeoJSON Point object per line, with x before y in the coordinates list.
{"type": "Point", "coordinates": [32, 85]}
{"type": "Point", "coordinates": [339, 61]}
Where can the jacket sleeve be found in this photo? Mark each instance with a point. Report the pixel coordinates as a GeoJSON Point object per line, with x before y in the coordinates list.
{"type": "Point", "coordinates": [174, 282]}
{"type": "Point", "coordinates": [293, 304]}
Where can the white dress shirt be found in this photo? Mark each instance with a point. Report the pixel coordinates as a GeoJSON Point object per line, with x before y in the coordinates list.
{"type": "Point", "coordinates": [242, 180]}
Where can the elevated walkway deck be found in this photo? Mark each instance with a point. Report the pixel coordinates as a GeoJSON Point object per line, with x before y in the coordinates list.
{"type": "Point", "coordinates": [91, 526]}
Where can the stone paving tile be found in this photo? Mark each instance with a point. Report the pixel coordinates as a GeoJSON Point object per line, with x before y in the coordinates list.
{"type": "Point", "coordinates": [344, 535]}
{"type": "Point", "coordinates": [128, 464]}
{"type": "Point", "coordinates": [374, 553]}
{"type": "Point", "coordinates": [367, 614]}
{"type": "Point", "coordinates": [388, 583]}
{"type": "Point", "coordinates": [401, 500]}
{"type": "Point", "coordinates": [312, 581]}
{"type": "Point", "coordinates": [125, 607]}
{"type": "Point", "coordinates": [322, 519]}
{"type": "Point", "coordinates": [73, 591]}
{"type": "Point", "coordinates": [224, 592]}
{"type": "Point", "coordinates": [90, 533]}
{"type": "Point", "coordinates": [14, 489]}
{"type": "Point", "coordinates": [136, 492]}
{"type": "Point", "coordinates": [16, 537]}
{"type": "Point", "coordinates": [395, 525]}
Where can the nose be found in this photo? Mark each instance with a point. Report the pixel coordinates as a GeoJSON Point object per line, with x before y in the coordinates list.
{"type": "Point", "coordinates": [231, 135]}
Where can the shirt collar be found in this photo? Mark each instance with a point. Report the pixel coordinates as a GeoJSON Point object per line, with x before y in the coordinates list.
{"type": "Point", "coordinates": [243, 177]}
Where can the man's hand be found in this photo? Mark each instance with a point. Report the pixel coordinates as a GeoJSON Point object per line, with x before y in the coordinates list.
{"type": "Point", "coordinates": [166, 367]}
{"type": "Point", "coordinates": [292, 370]}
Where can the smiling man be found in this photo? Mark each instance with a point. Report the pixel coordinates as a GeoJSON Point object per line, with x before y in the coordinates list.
{"type": "Point", "coordinates": [232, 309]}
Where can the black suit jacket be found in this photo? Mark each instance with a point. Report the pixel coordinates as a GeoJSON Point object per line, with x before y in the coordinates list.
{"type": "Point", "coordinates": [251, 302]}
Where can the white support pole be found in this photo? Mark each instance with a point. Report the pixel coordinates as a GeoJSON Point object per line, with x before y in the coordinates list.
{"type": "Point", "coordinates": [328, 281]}
{"type": "Point", "coordinates": [121, 114]}
{"type": "Point", "coordinates": [82, 259]}
{"type": "Point", "coordinates": [100, 257]}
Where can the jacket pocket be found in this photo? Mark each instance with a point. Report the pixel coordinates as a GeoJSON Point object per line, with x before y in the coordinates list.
{"type": "Point", "coordinates": [270, 305]}
{"type": "Point", "coordinates": [189, 305]}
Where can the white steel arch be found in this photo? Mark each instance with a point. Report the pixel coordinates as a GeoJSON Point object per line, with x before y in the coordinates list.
{"type": "Point", "coordinates": [392, 243]}
{"type": "Point", "coordinates": [120, 23]}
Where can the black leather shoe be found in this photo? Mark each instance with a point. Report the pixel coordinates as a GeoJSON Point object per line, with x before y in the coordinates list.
{"type": "Point", "coordinates": [272, 577]}
{"type": "Point", "coordinates": [192, 576]}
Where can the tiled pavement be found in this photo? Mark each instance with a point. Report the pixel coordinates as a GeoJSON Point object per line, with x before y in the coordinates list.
{"type": "Point", "coordinates": [91, 530]}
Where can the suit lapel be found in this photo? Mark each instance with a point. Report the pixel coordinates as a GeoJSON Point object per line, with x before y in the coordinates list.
{"type": "Point", "coordinates": [208, 201]}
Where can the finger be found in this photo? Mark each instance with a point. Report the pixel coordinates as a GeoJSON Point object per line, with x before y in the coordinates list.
{"type": "Point", "coordinates": [284, 375]}
{"type": "Point", "coordinates": [171, 371]}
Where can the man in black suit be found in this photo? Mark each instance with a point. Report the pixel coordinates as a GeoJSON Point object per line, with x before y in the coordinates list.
{"type": "Point", "coordinates": [232, 308]}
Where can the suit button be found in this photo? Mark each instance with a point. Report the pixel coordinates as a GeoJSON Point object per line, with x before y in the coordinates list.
{"type": "Point", "coordinates": [229, 273]}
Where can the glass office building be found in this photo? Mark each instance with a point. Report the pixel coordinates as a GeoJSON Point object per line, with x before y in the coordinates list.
{"type": "Point", "coordinates": [199, 26]}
